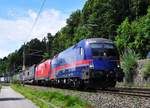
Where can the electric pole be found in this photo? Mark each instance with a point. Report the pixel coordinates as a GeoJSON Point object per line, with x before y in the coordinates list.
{"type": "Point", "coordinates": [24, 58]}
{"type": "Point", "coordinates": [24, 63]}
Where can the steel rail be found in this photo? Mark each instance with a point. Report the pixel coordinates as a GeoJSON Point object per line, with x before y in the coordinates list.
{"type": "Point", "coordinates": [128, 91]}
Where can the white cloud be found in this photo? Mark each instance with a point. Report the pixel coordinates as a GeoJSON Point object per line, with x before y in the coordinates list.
{"type": "Point", "coordinates": [49, 21]}
{"type": "Point", "coordinates": [16, 31]}
{"type": "Point", "coordinates": [32, 14]}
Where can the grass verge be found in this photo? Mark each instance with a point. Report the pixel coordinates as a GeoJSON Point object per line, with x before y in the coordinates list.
{"type": "Point", "coordinates": [50, 99]}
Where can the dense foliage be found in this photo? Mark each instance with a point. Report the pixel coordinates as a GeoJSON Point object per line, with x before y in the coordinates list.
{"type": "Point", "coordinates": [135, 35]}
{"type": "Point", "coordinates": [98, 18]}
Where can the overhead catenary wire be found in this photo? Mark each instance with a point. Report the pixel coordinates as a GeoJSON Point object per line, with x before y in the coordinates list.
{"type": "Point", "coordinates": [36, 20]}
{"type": "Point", "coordinates": [31, 30]}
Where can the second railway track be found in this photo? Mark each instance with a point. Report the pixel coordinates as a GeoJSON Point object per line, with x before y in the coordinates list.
{"type": "Point", "coordinates": [128, 91]}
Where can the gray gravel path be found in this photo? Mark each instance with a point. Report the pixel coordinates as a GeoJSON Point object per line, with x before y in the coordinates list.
{"type": "Point", "coordinates": [10, 99]}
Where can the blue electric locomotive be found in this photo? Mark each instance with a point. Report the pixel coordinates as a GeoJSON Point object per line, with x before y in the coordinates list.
{"type": "Point", "coordinates": [91, 62]}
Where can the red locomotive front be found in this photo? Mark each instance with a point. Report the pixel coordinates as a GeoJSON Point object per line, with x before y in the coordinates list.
{"type": "Point", "coordinates": [42, 71]}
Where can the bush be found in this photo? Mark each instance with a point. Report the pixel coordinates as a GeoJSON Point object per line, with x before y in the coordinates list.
{"type": "Point", "coordinates": [146, 70]}
{"type": "Point", "coordinates": [128, 63]}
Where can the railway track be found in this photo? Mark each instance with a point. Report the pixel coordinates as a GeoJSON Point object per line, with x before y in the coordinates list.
{"type": "Point", "coordinates": [140, 92]}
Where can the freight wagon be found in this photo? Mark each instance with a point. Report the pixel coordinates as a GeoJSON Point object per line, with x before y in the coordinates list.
{"type": "Point", "coordinates": [30, 75]}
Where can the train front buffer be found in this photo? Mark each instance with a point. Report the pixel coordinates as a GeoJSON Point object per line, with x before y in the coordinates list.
{"type": "Point", "coordinates": [91, 75]}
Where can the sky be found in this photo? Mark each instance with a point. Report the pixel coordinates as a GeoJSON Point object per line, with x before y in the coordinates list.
{"type": "Point", "coordinates": [18, 16]}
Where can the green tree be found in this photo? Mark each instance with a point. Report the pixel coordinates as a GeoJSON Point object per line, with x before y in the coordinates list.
{"type": "Point", "coordinates": [124, 35]}
{"type": "Point", "coordinates": [135, 35]}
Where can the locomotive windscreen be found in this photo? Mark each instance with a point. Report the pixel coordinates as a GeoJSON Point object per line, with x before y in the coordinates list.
{"type": "Point", "coordinates": [100, 50]}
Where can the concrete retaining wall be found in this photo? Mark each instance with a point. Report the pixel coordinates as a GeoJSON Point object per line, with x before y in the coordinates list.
{"type": "Point", "coordinates": [138, 78]}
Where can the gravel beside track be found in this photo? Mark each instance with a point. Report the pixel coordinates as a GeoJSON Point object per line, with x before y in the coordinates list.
{"type": "Point", "coordinates": [105, 100]}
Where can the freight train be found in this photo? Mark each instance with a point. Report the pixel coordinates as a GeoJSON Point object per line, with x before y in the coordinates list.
{"type": "Point", "coordinates": [90, 63]}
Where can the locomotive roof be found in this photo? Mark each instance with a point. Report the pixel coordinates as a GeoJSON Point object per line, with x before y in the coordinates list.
{"type": "Point", "coordinates": [90, 40]}
{"type": "Point", "coordinates": [99, 40]}
{"type": "Point", "coordinates": [43, 61]}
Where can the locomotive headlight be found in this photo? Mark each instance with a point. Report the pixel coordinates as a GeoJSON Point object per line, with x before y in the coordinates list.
{"type": "Point", "coordinates": [118, 66]}
{"type": "Point", "coordinates": [91, 66]}
{"type": "Point", "coordinates": [104, 54]}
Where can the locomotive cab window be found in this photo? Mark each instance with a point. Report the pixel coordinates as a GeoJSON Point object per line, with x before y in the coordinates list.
{"type": "Point", "coordinates": [100, 50]}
